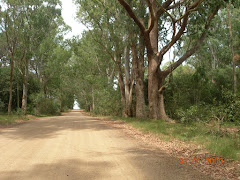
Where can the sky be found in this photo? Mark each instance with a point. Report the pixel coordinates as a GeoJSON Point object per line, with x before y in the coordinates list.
{"type": "Point", "coordinates": [68, 13]}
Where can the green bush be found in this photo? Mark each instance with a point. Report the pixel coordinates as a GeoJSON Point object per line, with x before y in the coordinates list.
{"type": "Point", "coordinates": [1, 105]}
{"type": "Point", "coordinates": [43, 105]}
{"type": "Point", "coordinates": [48, 106]}
{"type": "Point", "coordinates": [196, 113]}
{"type": "Point", "coordinates": [230, 106]}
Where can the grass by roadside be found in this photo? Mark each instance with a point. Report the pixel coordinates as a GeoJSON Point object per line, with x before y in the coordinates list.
{"type": "Point", "coordinates": [11, 119]}
{"type": "Point", "coordinates": [223, 141]}
{"type": "Point", "coordinates": [6, 119]}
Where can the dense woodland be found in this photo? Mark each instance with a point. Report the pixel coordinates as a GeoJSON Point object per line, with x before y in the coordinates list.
{"type": "Point", "coordinates": [121, 65]}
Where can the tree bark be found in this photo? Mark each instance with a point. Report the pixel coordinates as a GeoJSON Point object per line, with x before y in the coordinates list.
{"type": "Point", "coordinates": [93, 101]}
{"type": "Point", "coordinates": [25, 89]}
{"type": "Point", "coordinates": [153, 69]}
{"type": "Point", "coordinates": [232, 49]}
{"type": "Point", "coordinates": [18, 99]}
{"type": "Point", "coordinates": [121, 85]}
{"type": "Point", "coordinates": [161, 106]}
{"type": "Point", "coordinates": [10, 87]}
{"type": "Point", "coordinates": [153, 80]}
{"type": "Point", "coordinates": [128, 84]}
{"type": "Point", "coordinates": [138, 68]}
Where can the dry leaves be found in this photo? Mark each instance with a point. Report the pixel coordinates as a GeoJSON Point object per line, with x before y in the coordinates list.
{"type": "Point", "coordinates": [230, 169]}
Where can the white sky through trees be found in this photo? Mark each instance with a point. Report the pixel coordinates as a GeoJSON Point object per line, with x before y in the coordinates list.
{"type": "Point", "coordinates": [69, 13]}
{"type": "Point", "coordinates": [69, 10]}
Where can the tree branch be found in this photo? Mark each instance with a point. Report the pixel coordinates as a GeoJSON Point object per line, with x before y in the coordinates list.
{"type": "Point", "coordinates": [132, 15]}
{"type": "Point", "coordinates": [151, 17]}
{"type": "Point", "coordinates": [165, 5]}
{"type": "Point", "coordinates": [190, 52]}
{"type": "Point", "coordinates": [175, 5]}
{"type": "Point", "coordinates": [165, 10]}
{"type": "Point", "coordinates": [177, 37]}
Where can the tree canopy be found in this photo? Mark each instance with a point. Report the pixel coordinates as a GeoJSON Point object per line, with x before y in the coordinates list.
{"type": "Point", "coordinates": [116, 67]}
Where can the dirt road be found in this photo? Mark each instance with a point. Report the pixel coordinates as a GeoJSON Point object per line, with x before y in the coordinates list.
{"type": "Point", "coordinates": [74, 147]}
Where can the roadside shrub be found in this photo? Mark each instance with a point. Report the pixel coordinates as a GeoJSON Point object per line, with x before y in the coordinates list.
{"type": "Point", "coordinates": [230, 106]}
{"type": "Point", "coordinates": [195, 113]}
{"type": "Point", "coordinates": [1, 106]}
{"type": "Point", "coordinates": [48, 106]}
{"type": "Point", "coordinates": [43, 105]}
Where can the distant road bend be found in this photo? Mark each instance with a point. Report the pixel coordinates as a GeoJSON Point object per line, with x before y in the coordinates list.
{"type": "Point", "coordinates": [75, 147]}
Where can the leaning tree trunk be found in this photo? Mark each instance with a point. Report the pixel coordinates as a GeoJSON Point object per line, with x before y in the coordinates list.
{"type": "Point", "coordinates": [10, 88]}
{"type": "Point", "coordinates": [161, 106]}
{"type": "Point", "coordinates": [25, 89]}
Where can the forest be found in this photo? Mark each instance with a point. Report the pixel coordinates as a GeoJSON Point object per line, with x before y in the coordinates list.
{"type": "Point", "coordinates": [171, 60]}
{"type": "Point", "coordinates": [158, 59]}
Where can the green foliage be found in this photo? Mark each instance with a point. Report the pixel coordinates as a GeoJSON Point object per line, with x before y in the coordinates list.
{"type": "Point", "coordinates": [1, 105]}
{"type": "Point", "coordinates": [193, 114]}
{"type": "Point", "coordinates": [10, 119]}
{"type": "Point", "coordinates": [106, 102]}
{"type": "Point", "coordinates": [48, 106]}
{"type": "Point", "coordinates": [230, 107]}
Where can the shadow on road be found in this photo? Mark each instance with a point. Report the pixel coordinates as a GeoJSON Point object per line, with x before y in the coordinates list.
{"type": "Point", "coordinates": [70, 169]}
{"type": "Point", "coordinates": [52, 126]}
{"type": "Point", "coordinates": [74, 146]}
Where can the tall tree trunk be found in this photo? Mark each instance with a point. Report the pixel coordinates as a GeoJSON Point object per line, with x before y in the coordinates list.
{"type": "Point", "coordinates": [232, 49]}
{"type": "Point", "coordinates": [93, 101]}
{"type": "Point", "coordinates": [18, 99]}
{"type": "Point", "coordinates": [25, 89]}
{"type": "Point", "coordinates": [128, 84]}
{"type": "Point", "coordinates": [10, 87]}
{"type": "Point", "coordinates": [153, 97]}
{"type": "Point", "coordinates": [121, 85]}
{"type": "Point", "coordinates": [153, 73]}
{"type": "Point", "coordinates": [138, 68]}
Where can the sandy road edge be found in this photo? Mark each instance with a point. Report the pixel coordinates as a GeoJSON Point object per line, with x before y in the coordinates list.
{"type": "Point", "coordinates": [230, 169]}
{"type": "Point", "coordinates": [19, 122]}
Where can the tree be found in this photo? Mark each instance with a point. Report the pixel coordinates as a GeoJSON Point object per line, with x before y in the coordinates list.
{"type": "Point", "coordinates": [181, 16]}
{"type": "Point", "coordinates": [93, 77]}
{"type": "Point", "coordinates": [26, 26]}
{"type": "Point", "coordinates": [232, 49]}
{"type": "Point", "coordinates": [12, 26]}
{"type": "Point", "coordinates": [38, 16]}
{"type": "Point", "coordinates": [121, 44]}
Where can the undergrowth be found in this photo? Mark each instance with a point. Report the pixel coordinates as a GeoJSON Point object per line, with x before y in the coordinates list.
{"type": "Point", "coordinates": [10, 119]}
{"type": "Point", "coordinates": [216, 140]}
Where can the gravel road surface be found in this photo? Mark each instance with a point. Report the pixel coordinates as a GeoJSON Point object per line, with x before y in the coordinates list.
{"type": "Point", "coordinates": [75, 147]}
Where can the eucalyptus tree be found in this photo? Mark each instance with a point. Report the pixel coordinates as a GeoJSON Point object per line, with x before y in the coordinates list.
{"type": "Point", "coordinates": [187, 17]}
{"type": "Point", "coordinates": [235, 57]}
{"type": "Point", "coordinates": [40, 19]}
{"type": "Point", "coordinates": [93, 76]}
{"type": "Point", "coordinates": [111, 30]}
{"type": "Point", "coordinates": [12, 29]}
{"type": "Point", "coordinates": [26, 25]}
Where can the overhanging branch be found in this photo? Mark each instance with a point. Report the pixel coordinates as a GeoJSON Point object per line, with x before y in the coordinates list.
{"type": "Point", "coordinates": [190, 52]}
{"type": "Point", "coordinates": [132, 15]}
